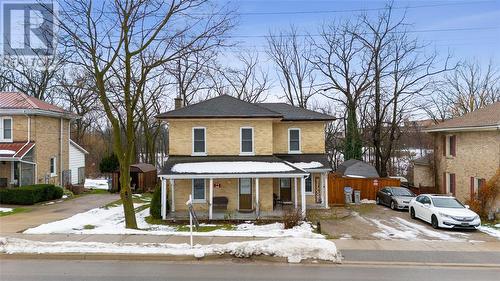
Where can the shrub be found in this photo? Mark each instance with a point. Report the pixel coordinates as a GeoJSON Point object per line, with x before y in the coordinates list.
{"type": "Point", "coordinates": [291, 218]}
{"type": "Point", "coordinates": [155, 207]}
{"type": "Point", "coordinates": [109, 164]}
{"type": "Point", "coordinates": [482, 202]}
{"type": "Point", "coordinates": [30, 194]}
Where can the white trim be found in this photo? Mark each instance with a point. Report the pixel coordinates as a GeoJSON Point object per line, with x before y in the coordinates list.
{"type": "Point", "coordinates": [40, 112]}
{"type": "Point", "coordinates": [296, 200]}
{"type": "Point", "coordinates": [241, 142]}
{"type": "Point", "coordinates": [172, 192]}
{"type": "Point", "coordinates": [2, 139]}
{"type": "Point", "coordinates": [231, 176]}
{"type": "Point", "coordinates": [303, 196]}
{"type": "Point", "coordinates": [204, 200]}
{"type": "Point", "coordinates": [300, 141]}
{"type": "Point", "coordinates": [326, 189]}
{"type": "Point", "coordinates": [71, 142]}
{"type": "Point", "coordinates": [458, 129]}
{"type": "Point", "coordinates": [210, 198]}
{"type": "Point", "coordinates": [193, 153]}
{"type": "Point", "coordinates": [257, 204]}
{"type": "Point", "coordinates": [164, 199]}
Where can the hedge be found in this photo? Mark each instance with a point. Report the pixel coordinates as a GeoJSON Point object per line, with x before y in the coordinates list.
{"type": "Point", "coordinates": [30, 194]}
{"type": "Point", "coordinates": [155, 207]}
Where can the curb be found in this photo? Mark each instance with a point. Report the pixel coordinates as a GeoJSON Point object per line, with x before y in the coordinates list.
{"type": "Point", "coordinates": [425, 264]}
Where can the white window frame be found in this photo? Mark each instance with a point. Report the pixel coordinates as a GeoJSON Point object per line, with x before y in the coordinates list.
{"type": "Point", "coordinates": [2, 139]}
{"type": "Point", "coordinates": [448, 146]}
{"type": "Point", "coordinates": [53, 174]}
{"type": "Point", "coordinates": [204, 200]}
{"type": "Point", "coordinates": [312, 186]}
{"type": "Point", "coordinates": [300, 141]}
{"type": "Point", "coordinates": [192, 142]}
{"type": "Point", "coordinates": [241, 141]}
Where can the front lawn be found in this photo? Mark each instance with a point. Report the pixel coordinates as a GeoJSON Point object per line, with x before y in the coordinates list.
{"type": "Point", "coordinates": [7, 212]}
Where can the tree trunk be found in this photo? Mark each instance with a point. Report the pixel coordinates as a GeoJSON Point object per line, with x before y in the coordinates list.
{"type": "Point", "coordinates": [126, 196]}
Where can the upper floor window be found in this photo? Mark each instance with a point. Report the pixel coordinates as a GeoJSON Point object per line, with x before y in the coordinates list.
{"type": "Point", "coordinates": [293, 140]}
{"type": "Point", "coordinates": [450, 145]}
{"type": "Point", "coordinates": [6, 129]}
{"type": "Point", "coordinates": [53, 166]}
{"type": "Point", "coordinates": [199, 141]}
{"type": "Point", "coordinates": [246, 145]}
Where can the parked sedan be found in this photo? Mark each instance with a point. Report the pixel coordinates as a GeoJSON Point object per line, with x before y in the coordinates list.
{"type": "Point", "coordinates": [443, 211]}
{"type": "Point", "coordinates": [394, 197]}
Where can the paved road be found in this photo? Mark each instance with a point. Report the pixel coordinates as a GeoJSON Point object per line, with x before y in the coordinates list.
{"type": "Point", "coordinates": [57, 270]}
{"type": "Point", "coordinates": [40, 214]}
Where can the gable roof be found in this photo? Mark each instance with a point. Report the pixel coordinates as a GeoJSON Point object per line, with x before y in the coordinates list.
{"type": "Point", "coordinates": [357, 168]}
{"type": "Point", "coordinates": [225, 106]}
{"type": "Point", "coordinates": [12, 101]}
{"type": "Point", "coordinates": [293, 113]}
{"type": "Point", "coordinates": [484, 118]}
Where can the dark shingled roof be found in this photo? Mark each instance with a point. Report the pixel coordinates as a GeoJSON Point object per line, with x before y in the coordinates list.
{"type": "Point", "coordinates": [173, 160]}
{"type": "Point", "coordinates": [226, 106]}
{"type": "Point", "coordinates": [293, 113]}
{"type": "Point", "coordinates": [359, 168]}
{"type": "Point", "coordinates": [306, 158]}
{"type": "Point", "coordinates": [223, 106]}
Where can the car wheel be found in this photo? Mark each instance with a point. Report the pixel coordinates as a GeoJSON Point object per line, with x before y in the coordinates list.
{"type": "Point", "coordinates": [412, 213]}
{"type": "Point", "coordinates": [434, 222]}
{"type": "Point", "coordinates": [393, 205]}
{"type": "Point", "coordinates": [377, 200]}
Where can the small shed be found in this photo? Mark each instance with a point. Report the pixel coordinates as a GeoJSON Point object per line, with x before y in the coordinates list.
{"type": "Point", "coordinates": [356, 169]}
{"type": "Point", "coordinates": [143, 178]}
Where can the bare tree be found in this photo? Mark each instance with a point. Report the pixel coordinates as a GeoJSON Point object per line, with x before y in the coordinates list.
{"type": "Point", "coordinates": [471, 86]}
{"type": "Point", "coordinates": [121, 44]}
{"type": "Point", "coordinates": [247, 81]}
{"type": "Point", "coordinates": [345, 66]}
{"type": "Point", "coordinates": [292, 57]}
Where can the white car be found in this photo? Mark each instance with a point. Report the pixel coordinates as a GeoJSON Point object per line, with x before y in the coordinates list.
{"type": "Point", "coordinates": [443, 211]}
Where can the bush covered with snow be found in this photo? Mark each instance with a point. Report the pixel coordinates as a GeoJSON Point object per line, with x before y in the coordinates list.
{"type": "Point", "coordinates": [30, 194]}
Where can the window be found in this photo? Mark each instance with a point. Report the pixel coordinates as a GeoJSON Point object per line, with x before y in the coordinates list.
{"type": "Point", "coordinates": [199, 190]}
{"type": "Point", "coordinates": [309, 188]}
{"type": "Point", "coordinates": [293, 140]}
{"type": "Point", "coordinates": [475, 186]}
{"type": "Point", "coordinates": [199, 142]}
{"type": "Point", "coordinates": [450, 183]}
{"type": "Point", "coordinates": [6, 129]}
{"type": "Point", "coordinates": [246, 136]}
{"type": "Point", "coordinates": [53, 166]}
{"type": "Point", "coordinates": [285, 183]}
{"type": "Point", "coordinates": [450, 145]}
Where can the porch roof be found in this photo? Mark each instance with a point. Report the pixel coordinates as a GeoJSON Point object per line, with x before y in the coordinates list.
{"type": "Point", "coordinates": [15, 150]}
{"type": "Point", "coordinates": [308, 162]}
{"type": "Point", "coordinates": [229, 166]}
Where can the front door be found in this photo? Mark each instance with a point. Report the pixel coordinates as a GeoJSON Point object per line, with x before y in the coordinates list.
{"type": "Point", "coordinates": [245, 190]}
{"type": "Point", "coordinates": [286, 190]}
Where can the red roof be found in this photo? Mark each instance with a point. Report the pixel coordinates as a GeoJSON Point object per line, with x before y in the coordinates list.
{"type": "Point", "coordinates": [16, 100]}
{"type": "Point", "coordinates": [15, 149]}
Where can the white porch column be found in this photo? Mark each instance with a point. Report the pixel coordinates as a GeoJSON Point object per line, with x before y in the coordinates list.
{"type": "Point", "coordinates": [303, 196]}
{"type": "Point", "coordinates": [172, 195]}
{"type": "Point", "coordinates": [163, 198]}
{"type": "Point", "coordinates": [257, 203]}
{"type": "Point", "coordinates": [326, 188]}
{"type": "Point", "coordinates": [210, 199]}
{"type": "Point", "coordinates": [295, 192]}
{"type": "Point", "coordinates": [322, 188]}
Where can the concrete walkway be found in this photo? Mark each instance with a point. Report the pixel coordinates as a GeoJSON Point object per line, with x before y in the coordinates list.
{"type": "Point", "coordinates": [40, 214]}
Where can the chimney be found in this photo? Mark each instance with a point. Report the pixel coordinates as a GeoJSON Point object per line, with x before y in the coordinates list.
{"type": "Point", "coordinates": [178, 102]}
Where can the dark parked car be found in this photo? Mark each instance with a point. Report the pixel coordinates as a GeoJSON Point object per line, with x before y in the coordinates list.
{"type": "Point", "coordinates": [395, 197]}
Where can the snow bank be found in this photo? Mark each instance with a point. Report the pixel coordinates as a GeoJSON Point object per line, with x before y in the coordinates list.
{"type": "Point", "coordinates": [6, 210]}
{"type": "Point", "coordinates": [294, 249]}
{"type": "Point", "coordinates": [490, 231]}
{"type": "Point", "coordinates": [96, 184]}
{"type": "Point", "coordinates": [112, 221]}
{"type": "Point", "coordinates": [231, 167]}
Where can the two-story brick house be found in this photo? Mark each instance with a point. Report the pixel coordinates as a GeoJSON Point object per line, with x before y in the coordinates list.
{"type": "Point", "coordinates": [251, 159]}
{"type": "Point", "coordinates": [466, 152]}
{"type": "Point", "coordinates": [35, 144]}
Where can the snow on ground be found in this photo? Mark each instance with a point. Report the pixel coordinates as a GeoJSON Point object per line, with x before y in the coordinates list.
{"type": "Point", "coordinates": [497, 225]}
{"type": "Point", "coordinates": [231, 167]}
{"type": "Point", "coordinates": [398, 228]}
{"type": "Point", "coordinates": [490, 231]}
{"type": "Point", "coordinates": [96, 184]}
{"type": "Point", "coordinates": [6, 210]}
{"type": "Point", "coordinates": [294, 249]}
{"type": "Point", "coordinates": [368, 201]}
{"type": "Point", "coordinates": [112, 221]}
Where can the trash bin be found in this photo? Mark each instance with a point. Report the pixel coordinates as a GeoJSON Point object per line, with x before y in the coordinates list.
{"type": "Point", "coordinates": [357, 196]}
{"type": "Point", "coordinates": [348, 195]}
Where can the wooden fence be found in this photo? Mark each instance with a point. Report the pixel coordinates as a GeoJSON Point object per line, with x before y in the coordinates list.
{"type": "Point", "coordinates": [367, 186]}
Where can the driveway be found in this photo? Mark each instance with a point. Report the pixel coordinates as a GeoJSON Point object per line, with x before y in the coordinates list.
{"type": "Point", "coordinates": [370, 221]}
{"type": "Point", "coordinates": [40, 214]}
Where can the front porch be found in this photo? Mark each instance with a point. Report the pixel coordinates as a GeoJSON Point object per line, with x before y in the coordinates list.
{"type": "Point", "coordinates": [16, 164]}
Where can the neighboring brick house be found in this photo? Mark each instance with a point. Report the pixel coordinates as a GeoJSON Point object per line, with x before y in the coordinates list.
{"type": "Point", "coordinates": [35, 143]}
{"type": "Point", "coordinates": [466, 151]}
{"type": "Point", "coordinates": [244, 160]}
